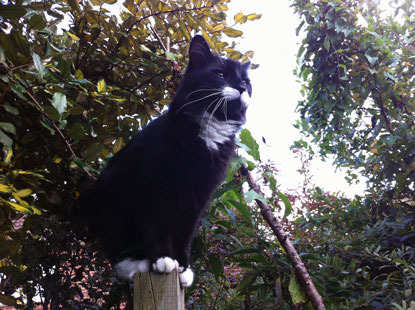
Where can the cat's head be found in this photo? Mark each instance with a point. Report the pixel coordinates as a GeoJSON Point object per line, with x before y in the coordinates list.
{"type": "Point", "coordinates": [213, 86]}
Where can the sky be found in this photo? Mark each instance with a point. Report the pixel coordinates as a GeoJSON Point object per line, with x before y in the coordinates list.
{"type": "Point", "coordinates": [276, 91]}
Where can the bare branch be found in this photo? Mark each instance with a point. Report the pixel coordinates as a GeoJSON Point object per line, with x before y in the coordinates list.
{"type": "Point", "coordinates": [286, 243]}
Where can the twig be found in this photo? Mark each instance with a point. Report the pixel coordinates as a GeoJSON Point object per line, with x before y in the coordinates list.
{"type": "Point", "coordinates": [379, 103]}
{"type": "Point", "coordinates": [115, 50]}
{"type": "Point", "coordinates": [53, 124]}
{"type": "Point", "coordinates": [158, 38]}
{"type": "Point", "coordinates": [286, 243]}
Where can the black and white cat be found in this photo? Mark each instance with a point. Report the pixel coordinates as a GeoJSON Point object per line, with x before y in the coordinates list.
{"type": "Point", "coordinates": [147, 203]}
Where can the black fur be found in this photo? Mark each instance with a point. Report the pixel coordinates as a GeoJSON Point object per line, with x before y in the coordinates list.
{"type": "Point", "coordinates": [148, 201]}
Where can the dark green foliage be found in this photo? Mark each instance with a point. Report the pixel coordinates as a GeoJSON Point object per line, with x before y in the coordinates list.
{"type": "Point", "coordinates": [77, 80]}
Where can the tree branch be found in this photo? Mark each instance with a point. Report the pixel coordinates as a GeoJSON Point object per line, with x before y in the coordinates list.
{"type": "Point", "coordinates": [383, 113]}
{"type": "Point", "coordinates": [286, 243]}
{"type": "Point", "coordinates": [115, 50]}
{"type": "Point", "coordinates": [53, 124]}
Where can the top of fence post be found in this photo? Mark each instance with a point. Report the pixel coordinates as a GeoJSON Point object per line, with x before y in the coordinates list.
{"type": "Point", "coordinates": [156, 291]}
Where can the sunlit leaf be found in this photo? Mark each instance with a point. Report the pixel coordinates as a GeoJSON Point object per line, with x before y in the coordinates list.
{"type": "Point", "coordinates": [73, 36]}
{"type": "Point", "coordinates": [254, 16]}
{"type": "Point", "coordinates": [102, 86]}
{"type": "Point", "coordinates": [240, 18]}
{"type": "Point", "coordinates": [297, 292]}
{"type": "Point", "coordinates": [5, 188]}
{"type": "Point", "coordinates": [78, 74]}
{"type": "Point", "coordinates": [39, 65]}
{"type": "Point", "coordinates": [23, 192]}
{"type": "Point", "coordinates": [59, 102]}
{"type": "Point", "coordinates": [230, 32]}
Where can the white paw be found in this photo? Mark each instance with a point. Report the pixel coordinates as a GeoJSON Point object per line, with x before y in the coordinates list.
{"type": "Point", "coordinates": [126, 268]}
{"type": "Point", "coordinates": [186, 277]}
{"type": "Point", "coordinates": [165, 265]}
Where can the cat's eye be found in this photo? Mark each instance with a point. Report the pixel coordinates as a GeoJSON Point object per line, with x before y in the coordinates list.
{"type": "Point", "coordinates": [221, 74]}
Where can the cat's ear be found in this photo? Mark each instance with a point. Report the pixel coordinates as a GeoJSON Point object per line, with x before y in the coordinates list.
{"type": "Point", "coordinates": [199, 52]}
{"type": "Point", "coordinates": [246, 66]}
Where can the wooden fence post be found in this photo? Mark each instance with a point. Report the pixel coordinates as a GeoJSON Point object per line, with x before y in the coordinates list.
{"type": "Point", "coordinates": [156, 291]}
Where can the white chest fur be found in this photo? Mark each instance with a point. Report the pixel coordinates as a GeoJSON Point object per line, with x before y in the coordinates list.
{"type": "Point", "coordinates": [215, 132]}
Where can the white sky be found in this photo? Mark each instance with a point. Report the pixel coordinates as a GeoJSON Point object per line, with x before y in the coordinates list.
{"type": "Point", "coordinates": [276, 92]}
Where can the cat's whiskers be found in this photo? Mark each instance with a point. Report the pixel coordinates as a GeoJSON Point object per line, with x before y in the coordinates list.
{"type": "Point", "coordinates": [225, 110]}
{"type": "Point", "coordinates": [206, 120]}
{"type": "Point", "coordinates": [196, 100]}
{"type": "Point", "coordinates": [209, 124]}
{"type": "Point", "coordinates": [202, 89]}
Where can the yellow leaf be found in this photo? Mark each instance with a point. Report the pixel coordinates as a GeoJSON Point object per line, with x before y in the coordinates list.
{"type": "Point", "coordinates": [76, 38]}
{"type": "Point", "coordinates": [249, 54]}
{"type": "Point", "coordinates": [57, 160]}
{"type": "Point", "coordinates": [24, 192]}
{"type": "Point", "coordinates": [18, 207]}
{"type": "Point", "coordinates": [240, 18]}
{"type": "Point", "coordinates": [102, 86]}
{"type": "Point", "coordinates": [120, 99]}
{"type": "Point", "coordinates": [208, 39]}
{"type": "Point", "coordinates": [36, 211]}
{"type": "Point", "coordinates": [218, 27]}
{"type": "Point", "coordinates": [117, 145]}
{"type": "Point", "coordinates": [230, 32]}
{"type": "Point", "coordinates": [9, 155]}
{"type": "Point", "coordinates": [79, 75]}
{"type": "Point", "coordinates": [5, 188]}
{"type": "Point", "coordinates": [374, 151]}
{"type": "Point", "coordinates": [223, 7]}
{"type": "Point", "coordinates": [254, 16]}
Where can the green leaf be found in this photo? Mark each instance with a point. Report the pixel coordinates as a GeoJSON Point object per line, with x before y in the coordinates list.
{"type": "Point", "coordinates": [76, 131]}
{"type": "Point", "coordinates": [244, 209]}
{"type": "Point", "coordinates": [37, 22]}
{"type": "Point", "coordinates": [52, 113]}
{"type": "Point", "coordinates": [298, 294]}
{"type": "Point", "coordinates": [12, 11]}
{"type": "Point", "coordinates": [327, 43]}
{"type": "Point", "coordinates": [234, 164]}
{"type": "Point", "coordinates": [252, 195]}
{"type": "Point", "coordinates": [59, 102]}
{"type": "Point", "coordinates": [171, 56]}
{"type": "Point", "coordinates": [8, 127]}
{"type": "Point", "coordinates": [244, 251]}
{"type": "Point", "coordinates": [249, 141]}
{"type": "Point", "coordinates": [11, 109]}
{"type": "Point", "coordinates": [372, 60]}
{"type": "Point", "coordinates": [92, 152]}
{"type": "Point", "coordinates": [5, 139]}
{"type": "Point", "coordinates": [216, 266]}
{"type": "Point", "coordinates": [39, 65]}
{"type": "Point", "coordinates": [247, 281]}
{"type": "Point", "coordinates": [287, 204]}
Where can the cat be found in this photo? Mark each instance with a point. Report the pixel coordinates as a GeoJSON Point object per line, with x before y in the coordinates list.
{"type": "Point", "coordinates": [147, 203]}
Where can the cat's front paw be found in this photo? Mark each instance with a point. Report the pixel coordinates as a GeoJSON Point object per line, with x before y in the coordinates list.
{"type": "Point", "coordinates": [165, 265]}
{"type": "Point", "coordinates": [185, 276]}
{"type": "Point", "coordinates": [126, 268]}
